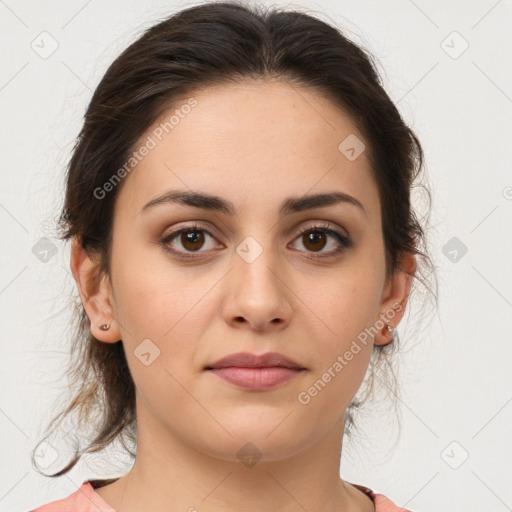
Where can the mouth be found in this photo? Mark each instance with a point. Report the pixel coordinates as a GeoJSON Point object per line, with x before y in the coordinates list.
{"type": "Point", "coordinates": [256, 379]}
{"type": "Point", "coordinates": [256, 372]}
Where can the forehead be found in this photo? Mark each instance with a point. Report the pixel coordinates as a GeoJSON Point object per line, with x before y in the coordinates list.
{"type": "Point", "coordinates": [257, 139]}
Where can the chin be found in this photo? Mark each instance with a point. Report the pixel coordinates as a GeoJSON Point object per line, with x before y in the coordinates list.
{"type": "Point", "coordinates": [267, 439]}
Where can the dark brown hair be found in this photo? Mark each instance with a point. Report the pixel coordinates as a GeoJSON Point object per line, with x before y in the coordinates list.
{"type": "Point", "coordinates": [211, 44]}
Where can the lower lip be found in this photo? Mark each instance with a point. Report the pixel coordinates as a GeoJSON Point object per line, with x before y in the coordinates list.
{"type": "Point", "coordinates": [256, 379]}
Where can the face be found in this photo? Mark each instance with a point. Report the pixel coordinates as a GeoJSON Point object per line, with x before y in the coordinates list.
{"type": "Point", "coordinates": [304, 281]}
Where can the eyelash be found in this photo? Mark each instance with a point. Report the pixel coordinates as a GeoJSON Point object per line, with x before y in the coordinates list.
{"type": "Point", "coordinates": [345, 242]}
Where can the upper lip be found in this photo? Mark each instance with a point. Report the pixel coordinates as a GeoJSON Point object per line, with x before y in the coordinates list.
{"type": "Point", "coordinates": [248, 360]}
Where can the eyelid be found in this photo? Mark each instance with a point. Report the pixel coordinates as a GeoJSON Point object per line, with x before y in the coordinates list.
{"type": "Point", "coordinates": [344, 239]}
{"type": "Point", "coordinates": [323, 224]}
{"type": "Point", "coordinates": [192, 226]}
{"type": "Point", "coordinates": [196, 224]}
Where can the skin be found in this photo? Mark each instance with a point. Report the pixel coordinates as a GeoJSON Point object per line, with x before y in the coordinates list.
{"type": "Point", "coordinates": [254, 144]}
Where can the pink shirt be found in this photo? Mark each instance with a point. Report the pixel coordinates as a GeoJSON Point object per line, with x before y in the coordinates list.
{"type": "Point", "coordinates": [85, 499]}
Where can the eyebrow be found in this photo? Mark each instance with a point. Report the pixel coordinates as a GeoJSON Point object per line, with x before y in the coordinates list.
{"type": "Point", "coordinates": [218, 204]}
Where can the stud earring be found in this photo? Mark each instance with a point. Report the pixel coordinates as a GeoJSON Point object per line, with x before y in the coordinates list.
{"type": "Point", "coordinates": [105, 327]}
{"type": "Point", "coordinates": [393, 332]}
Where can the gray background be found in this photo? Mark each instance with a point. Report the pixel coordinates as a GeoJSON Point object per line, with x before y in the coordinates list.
{"type": "Point", "coordinates": [455, 444]}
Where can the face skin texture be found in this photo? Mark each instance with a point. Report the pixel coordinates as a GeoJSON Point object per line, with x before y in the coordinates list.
{"type": "Point", "coordinates": [253, 144]}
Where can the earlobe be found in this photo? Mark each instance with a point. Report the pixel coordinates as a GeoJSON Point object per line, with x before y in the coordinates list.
{"type": "Point", "coordinates": [95, 292]}
{"type": "Point", "coordinates": [395, 300]}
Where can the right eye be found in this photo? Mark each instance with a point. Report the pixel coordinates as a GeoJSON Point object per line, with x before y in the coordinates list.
{"type": "Point", "coordinates": [191, 238]}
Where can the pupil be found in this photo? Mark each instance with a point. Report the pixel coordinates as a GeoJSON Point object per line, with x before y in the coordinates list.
{"type": "Point", "coordinates": [192, 237]}
{"type": "Point", "coordinates": [313, 237]}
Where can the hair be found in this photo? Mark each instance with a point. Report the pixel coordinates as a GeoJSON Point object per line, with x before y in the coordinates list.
{"type": "Point", "coordinates": [205, 45]}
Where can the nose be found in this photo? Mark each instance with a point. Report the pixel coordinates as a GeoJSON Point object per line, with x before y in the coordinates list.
{"type": "Point", "coordinates": [257, 294]}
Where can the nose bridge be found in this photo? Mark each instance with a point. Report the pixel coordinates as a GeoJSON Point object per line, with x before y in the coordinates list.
{"type": "Point", "coordinates": [256, 289]}
{"type": "Point", "coordinates": [257, 260]}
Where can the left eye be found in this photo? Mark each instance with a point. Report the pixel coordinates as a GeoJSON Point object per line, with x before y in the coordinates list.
{"type": "Point", "coordinates": [315, 238]}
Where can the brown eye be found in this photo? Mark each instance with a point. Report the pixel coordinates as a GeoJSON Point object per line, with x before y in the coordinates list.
{"type": "Point", "coordinates": [192, 240]}
{"type": "Point", "coordinates": [314, 240]}
{"type": "Point", "coordinates": [182, 243]}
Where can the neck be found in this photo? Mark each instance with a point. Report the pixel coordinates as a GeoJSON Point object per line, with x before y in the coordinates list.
{"type": "Point", "coordinates": [171, 475]}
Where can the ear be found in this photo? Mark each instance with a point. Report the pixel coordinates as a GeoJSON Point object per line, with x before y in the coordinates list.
{"type": "Point", "coordinates": [95, 292]}
{"type": "Point", "coordinates": [394, 298]}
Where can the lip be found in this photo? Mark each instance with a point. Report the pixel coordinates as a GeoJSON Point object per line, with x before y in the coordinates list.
{"type": "Point", "coordinates": [248, 360]}
{"type": "Point", "coordinates": [256, 372]}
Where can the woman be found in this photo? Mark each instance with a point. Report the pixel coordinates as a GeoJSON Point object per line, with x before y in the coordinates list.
{"type": "Point", "coordinates": [244, 247]}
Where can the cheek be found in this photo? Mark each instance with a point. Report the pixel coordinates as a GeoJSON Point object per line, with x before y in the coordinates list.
{"type": "Point", "coordinates": [151, 294]}
{"type": "Point", "coordinates": [343, 345]}
{"type": "Point", "coordinates": [348, 301]}
{"type": "Point", "coordinates": [347, 308]}
{"type": "Point", "coordinates": [163, 319]}
{"type": "Point", "coordinates": [172, 307]}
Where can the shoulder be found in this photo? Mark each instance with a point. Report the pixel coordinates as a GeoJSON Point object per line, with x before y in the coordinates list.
{"type": "Point", "coordinates": [83, 499]}
{"type": "Point", "coordinates": [381, 502]}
